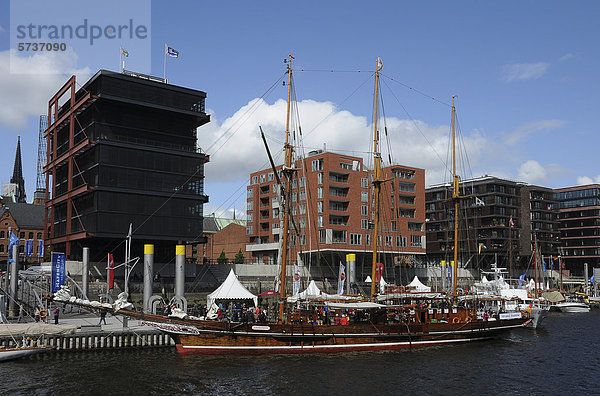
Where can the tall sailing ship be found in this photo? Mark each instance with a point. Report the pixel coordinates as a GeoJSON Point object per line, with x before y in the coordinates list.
{"type": "Point", "coordinates": [375, 326]}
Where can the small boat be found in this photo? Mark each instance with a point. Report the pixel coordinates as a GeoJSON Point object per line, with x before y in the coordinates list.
{"type": "Point", "coordinates": [18, 352]}
{"type": "Point", "coordinates": [571, 307]}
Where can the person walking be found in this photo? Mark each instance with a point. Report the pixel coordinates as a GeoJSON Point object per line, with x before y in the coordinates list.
{"type": "Point", "coordinates": [56, 312]}
{"type": "Point", "coordinates": [102, 317]}
{"type": "Point", "coordinates": [37, 313]}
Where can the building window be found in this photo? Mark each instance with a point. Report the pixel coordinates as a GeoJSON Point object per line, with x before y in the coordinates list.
{"type": "Point", "coordinates": [320, 207]}
{"type": "Point", "coordinates": [388, 241]}
{"type": "Point", "coordinates": [394, 227]}
{"type": "Point", "coordinates": [302, 195]}
{"type": "Point", "coordinates": [275, 225]}
{"type": "Point", "coordinates": [271, 176]}
{"type": "Point", "coordinates": [302, 209]}
{"type": "Point", "coordinates": [319, 192]}
{"type": "Point", "coordinates": [39, 235]}
{"type": "Point", "coordinates": [21, 249]}
{"type": "Point", "coordinates": [249, 206]}
{"type": "Point", "coordinates": [406, 187]}
{"type": "Point", "coordinates": [364, 224]}
{"type": "Point", "coordinates": [263, 178]}
{"type": "Point", "coordinates": [415, 241]}
{"type": "Point", "coordinates": [319, 221]}
{"type": "Point", "coordinates": [30, 235]}
{"type": "Point", "coordinates": [254, 179]}
{"type": "Point", "coordinates": [302, 222]}
{"type": "Point", "coordinates": [317, 165]}
{"type": "Point", "coordinates": [275, 213]}
{"type": "Point", "coordinates": [368, 239]}
{"type": "Point", "coordinates": [2, 235]}
{"type": "Point", "coordinates": [355, 239]}
{"type": "Point", "coordinates": [22, 235]}
{"type": "Point", "coordinates": [400, 241]}
{"type": "Point", "coordinates": [302, 239]}
{"type": "Point", "coordinates": [364, 196]}
{"type": "Point", "coordinates": [320, 178]}
{"type": "Point", "coordinates": [364, 210]}
{"type": "Point", "coordinates": [294, 183]}
{"type": "Point", "coordinates": [250, 193]}
{"type": "Point", "coordinates": [249, 230]}
{"type": "Point", "coordinates": [249, 218]}
{"type": "Point", "coordinates": [301, 182]}
{"type": "Point", "coordinates": [364, 182]}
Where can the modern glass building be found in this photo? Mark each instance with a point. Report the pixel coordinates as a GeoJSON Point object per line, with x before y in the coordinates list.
{"type": "Point", "coordinates": [123, 149]}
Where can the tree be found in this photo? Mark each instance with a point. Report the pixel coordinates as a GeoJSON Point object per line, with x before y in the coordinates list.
{"type": "Point", "coordinates": [239, 257]}
{"type": "Point", "coordinates": [222, 259]}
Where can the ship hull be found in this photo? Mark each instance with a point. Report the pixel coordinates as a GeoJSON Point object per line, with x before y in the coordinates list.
{"type": "Point", "coordinates": [254, 339]}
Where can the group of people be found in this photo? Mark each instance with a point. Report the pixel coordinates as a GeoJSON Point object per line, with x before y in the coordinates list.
{"type": "Point", "coordinates": [240, 313]}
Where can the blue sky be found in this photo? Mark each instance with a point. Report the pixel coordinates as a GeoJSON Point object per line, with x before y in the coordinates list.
{"type": "Point", "coordinates": [525, 73]}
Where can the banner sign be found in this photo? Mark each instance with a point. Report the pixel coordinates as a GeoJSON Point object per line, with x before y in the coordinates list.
{"type": "Point", "coordinates": [41, 249]}
{"type": "Point", "coordinates": [341, 279]}
{"type": "Point", "coordinates": [296, 279]}
{"type": "Point", "coordinates": [29, 248]}
{"type": "Point", "coordinates": [111, 272]}
{"type": "Point", "coordinates": [58, 270]}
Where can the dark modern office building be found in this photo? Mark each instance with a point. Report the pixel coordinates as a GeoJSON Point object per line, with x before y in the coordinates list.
{"type": "Point", "coordinates": [123, 149]}
{"type": "Point", "coordinates": [498, 222]}
{"type": "Point", "coordinates": [579, 216]}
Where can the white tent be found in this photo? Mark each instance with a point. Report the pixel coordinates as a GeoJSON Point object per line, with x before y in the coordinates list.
{"type": "Point", "coordinates": [368, 279]}
{"type": "Point", "coordinates": [231, 289]}
{"type": "Point", "coordinates": [312, 291]}
{"type": "Point", "coordinates": [416, 283]}
{"type": "Point", "coordinates": [382, 285]}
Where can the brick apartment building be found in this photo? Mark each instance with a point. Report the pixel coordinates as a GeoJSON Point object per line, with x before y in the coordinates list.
{"type": "Point", "coordinates": [27, 223]}
{"type": "Point", "coordinates": [222, 235]}
{"type": "Point", "coordinates": [333, 213]}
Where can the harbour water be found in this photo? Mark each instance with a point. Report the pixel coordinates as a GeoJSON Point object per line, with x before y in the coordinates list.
{"type": "Point", "coordinates": [560, 358]}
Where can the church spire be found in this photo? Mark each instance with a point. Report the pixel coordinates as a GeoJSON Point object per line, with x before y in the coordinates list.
{"type": "Point", "coordinates": [17, 177]}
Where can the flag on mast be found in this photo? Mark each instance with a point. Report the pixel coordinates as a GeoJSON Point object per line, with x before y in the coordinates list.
{"type": "Point", "coordinates": [296, 279]}
{"type": "Point", "coordinates": [172, 52]}
{"type": "Point", "coordinates": [111, 272]}
{"type": "Point", "coordinates": [341, 279]}
{"type": "Point", "coordinates": [124, 52]}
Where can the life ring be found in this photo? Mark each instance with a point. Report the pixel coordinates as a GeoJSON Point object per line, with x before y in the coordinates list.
{"type": "Point", "coordinates": [43, 313]}
{"type": "Point", "coordinates": [469, 319]}
{"type": "Point", "coordinates": [456, 319]}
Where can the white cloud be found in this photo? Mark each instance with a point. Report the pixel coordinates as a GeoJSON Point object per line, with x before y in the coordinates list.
{"type": "Point", "coordinates": [23, 95]}
{"type": "Point", "coordinates": [583, 180]}
{"type": "Point", "coordinates": [532, 172]}
{"type": "Point", "coordinates": [524, 71]}
{"type": "Point", "coordinates": [526, 130]}
{"type": "Point", "coordinates": [323, 123]}
{"type": "Point", "coordinates": [566, 57]}
{"type": "Point", "coordinates": [1, 28]}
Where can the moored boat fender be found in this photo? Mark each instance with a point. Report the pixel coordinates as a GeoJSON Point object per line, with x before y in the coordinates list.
{"type": "Point", "coordinates": [43, 314]}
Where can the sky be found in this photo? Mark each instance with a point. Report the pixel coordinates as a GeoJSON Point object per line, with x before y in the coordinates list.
{"type": "Point", "coordinates": [525, 76]}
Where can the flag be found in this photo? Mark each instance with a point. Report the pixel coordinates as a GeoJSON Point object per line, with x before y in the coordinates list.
{"type": "Point", "coordinates": [172, 52]}
{"type": "Point", "coordinates": [111, 271]}
{"type": "Point", "coordinates": [41, 249]}
{"type": "Point", "coordinates": [544, 263]}
{"type": "Point", "coordinates": [378, 271]}
{"type": "Point", "coordinates": [521, 279]}
{"type": "Point", "coordinates": [58, 271]}
{"type": "Point", "coordinates": [124, 52]}
{"type": "Point", "coordinates": [379, 64]}
{"type": "Point", "coordinates": [341, 279]}
{"type": "Point", "coordinates": [481, 247]}
{"type": "Point", "coordinates": [296, 279]}
{"type": "Point", "coordinates": [479, 202]}
{"type": "Point", "coordinates": [29, 248]}
{"type": "Point", "coordinates": [12, 242]}
{"type": "Point", "coordinates": [551, 263]}
{"type": "Point", "coordinates": [592, 280]}
{"type": "Point", "coordinates": [511, 222]}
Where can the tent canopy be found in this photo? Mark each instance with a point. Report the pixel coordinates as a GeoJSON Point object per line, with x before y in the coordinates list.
{"type": "Point", "coordinates": [420, 287]}
{"type": "Point", "coordinates": [231, 289]}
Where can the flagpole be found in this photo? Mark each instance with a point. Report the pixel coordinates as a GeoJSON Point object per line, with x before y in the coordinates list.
{"type": "Point", "coordinates": [165, 65]}
{"type": "Point", "coordinates": [120, 57]}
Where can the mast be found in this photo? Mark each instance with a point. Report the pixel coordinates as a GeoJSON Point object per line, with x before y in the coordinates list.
{"type": "Point", "coordinates": [376, 179]}
{"type": "Point", "coordinates": [536, 264]}
{"type": "Point", "coordinates": [287, 173]}
{"type": "Point", "coordinates": [455, 198]}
